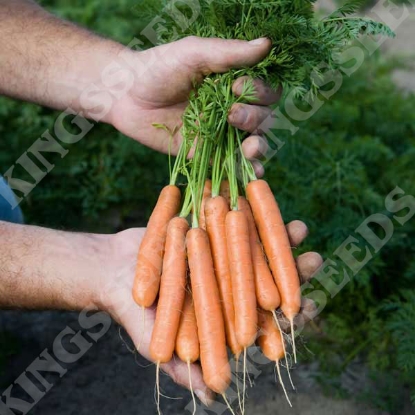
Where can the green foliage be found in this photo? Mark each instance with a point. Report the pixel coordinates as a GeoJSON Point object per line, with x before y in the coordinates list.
{"type": "Point", "coordinates": [401, 324]}
{"type": "Point", "coordinates": [349, 7]}
{"type": "Point", "coordinates": [300, 40]}
{"type": "Point", "coordinates": [300, 43]}
{"type": "Point", "coordinates": [335, 172]}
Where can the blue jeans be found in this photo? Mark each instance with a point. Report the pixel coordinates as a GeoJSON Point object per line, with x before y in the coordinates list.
{"type": "Point", "coordinates": [7, 213]}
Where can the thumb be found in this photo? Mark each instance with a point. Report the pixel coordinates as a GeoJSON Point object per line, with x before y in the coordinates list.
{"type": "Point", "coordinates": [208, 55]}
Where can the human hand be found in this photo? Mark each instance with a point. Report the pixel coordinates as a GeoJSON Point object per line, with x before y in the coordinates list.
{"type": "Point", "coordinates": [167, 75]}
{"type": "Point", "coordinates": [116, 298]}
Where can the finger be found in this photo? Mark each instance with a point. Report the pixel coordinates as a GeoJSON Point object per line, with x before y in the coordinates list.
{"type": "Point", "coordinates": [263, 93]}
{"type": "Point", "coordinates": [207, 55]}
{"type": "Point", "coordinates": [307, 313]}
{"type": "Point", "coordinates": [308, 264]}
{"type": "Point", "coordinates": [297, 232]}
{"type": "Point", "coordinates": [258, 169]}
{"type": "Point", "coordinates": [179, 372]}
{"type": "Point", "coordinates": [255, 147]}
{"type": "Point", "coordinates": [248, 117]}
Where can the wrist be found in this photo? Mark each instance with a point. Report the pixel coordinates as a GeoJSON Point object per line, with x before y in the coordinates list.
{"type": "Point", "coordinates": [94, 269]}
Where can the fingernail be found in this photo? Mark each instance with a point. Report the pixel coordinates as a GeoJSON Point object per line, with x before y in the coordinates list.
{"type": "Point", "coordinates": [258, 42]}
{"type": "Point", "coordinates": [203, 397]}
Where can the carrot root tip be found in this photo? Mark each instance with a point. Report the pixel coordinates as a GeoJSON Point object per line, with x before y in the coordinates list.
{"type": "Point", "coordinates": [191, 388]}
{"type": "Point", "coordinates": [282, 383]}
{"type": "Point", "coordinates": [283, 346]}
{"type": "Point", "coordinates": [237, 382]}
{"type": "Point", "coordinates": [244, 385]}
{"type": "Point", "coordinates": [293, 338]}
{"type": "Point", "coordinates": [228, 404]}
{"type": "Point", "coordinates": [158, 388]}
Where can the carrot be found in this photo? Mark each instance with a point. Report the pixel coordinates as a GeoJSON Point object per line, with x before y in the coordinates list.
{"type": "Point", "coordinates": [269, 338]}
{"type": "Point", "coordinates": [271, 342]}
{"type": "Point", "coordinates": [242, 274]}
{"type": "Point", "coordinates": [267, 293]}
{"type": "Point", "coordinates": [216, 210]}
{"type": "Point", "coordinates": [225, 191]}
{"type": "Point", "coordinates": [187, 341]}
{"type": "Point", "coordinates": [277, 248]}
{"type": "Point", "coordinates": [207, 192]}
{"type": "Point", "coordinates": [172, 292]}
{"type": "Point", "coordinates": [211, 328]}
{"type": "Point", "coordinates": [150, 254]}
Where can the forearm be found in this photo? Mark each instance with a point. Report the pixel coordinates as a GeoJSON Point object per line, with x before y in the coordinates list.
{"type": "Point", "coordinates": [47, 269]}
{"type": "Point", "coordinates": [46, 60]}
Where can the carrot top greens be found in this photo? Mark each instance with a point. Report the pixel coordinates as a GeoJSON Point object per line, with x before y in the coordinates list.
{"type": "Point", "coordinates": [300, 43]}
{"type": "Point", "coordinates": [300, 39]}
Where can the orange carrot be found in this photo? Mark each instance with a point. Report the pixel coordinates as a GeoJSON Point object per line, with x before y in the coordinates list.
{"type": "Point", "coordinates": [277, 248]}
{"type": "Point", "coordinates": [269, 338]}
{"type": "Point", "coordinates": [211, 328]}
{"type": "Point", "coordinates": [207, 192]}
{"type": "Point", "coordinates": [277, 245]}
{"type": "Point", "coordinates": [172, 292]}
{"type": "Point", "coordinates": [267, 293]}
{"type": "Point", "coordinates": [242, 274]}
{"type": "Point", "coordinates": [216, 210]}
{"type": "Point", "coordinates": [225, 191]}
{"type": "Point", "coordinates": [150, 254]}
{"type": "Point", "coordinates": [187, 341]}
{"type": "Point", "coordinates": [271, 342]}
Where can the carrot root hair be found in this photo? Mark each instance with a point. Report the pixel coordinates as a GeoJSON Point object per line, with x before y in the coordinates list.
{"type": "Point", "coordinates": [228, 404]}
{"type": "Point", "coordinates": [244, 385]}
{"type": "Point", "coordinates": [282, 383]}
{"type": "Point", "coordinates": [293, 338]}
{"type": "Point", "coordinates": [130, 349]}
{"type": "Point", "coordinates": [283, 346]}
{"type": "Point", "coordinates": [158, 388]}
{"type": "Point", "coordinates": [289, 373]}
{"type": "Point", "coordinates": [238, 390]}
{"type": "Point", "coordinates": [191, 388]}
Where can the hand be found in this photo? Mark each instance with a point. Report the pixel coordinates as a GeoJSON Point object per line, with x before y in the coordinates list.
{"type": "Point", "coordinates": [116, 298]}
{"type": "Point", "coordinates": [161, 91]}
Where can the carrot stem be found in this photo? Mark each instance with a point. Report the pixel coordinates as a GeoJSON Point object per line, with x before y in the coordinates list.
{"type": "Point", "coordinates": [231, 166]}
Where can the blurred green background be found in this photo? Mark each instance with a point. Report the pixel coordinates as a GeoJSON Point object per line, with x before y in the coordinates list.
{"type": "Point", "coordinates": [334, 173]}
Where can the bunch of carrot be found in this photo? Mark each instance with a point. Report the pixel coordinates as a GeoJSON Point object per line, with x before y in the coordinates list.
{"type": "Point", "coordinates": [220, 276]}
{"type": "Point", "coordinates": [218, 257]}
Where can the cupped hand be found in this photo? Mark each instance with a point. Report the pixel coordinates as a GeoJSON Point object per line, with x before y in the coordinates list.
{"type": "Point", "coordinates": [165, 78]}
{"type": "Point", "coordinates": [116, 298]}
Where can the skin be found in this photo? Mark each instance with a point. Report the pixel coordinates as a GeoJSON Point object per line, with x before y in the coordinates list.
{"type": "Point", "coordinates": [50, 62]}
{"type": "Point", "coordinates": [47, 269]}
